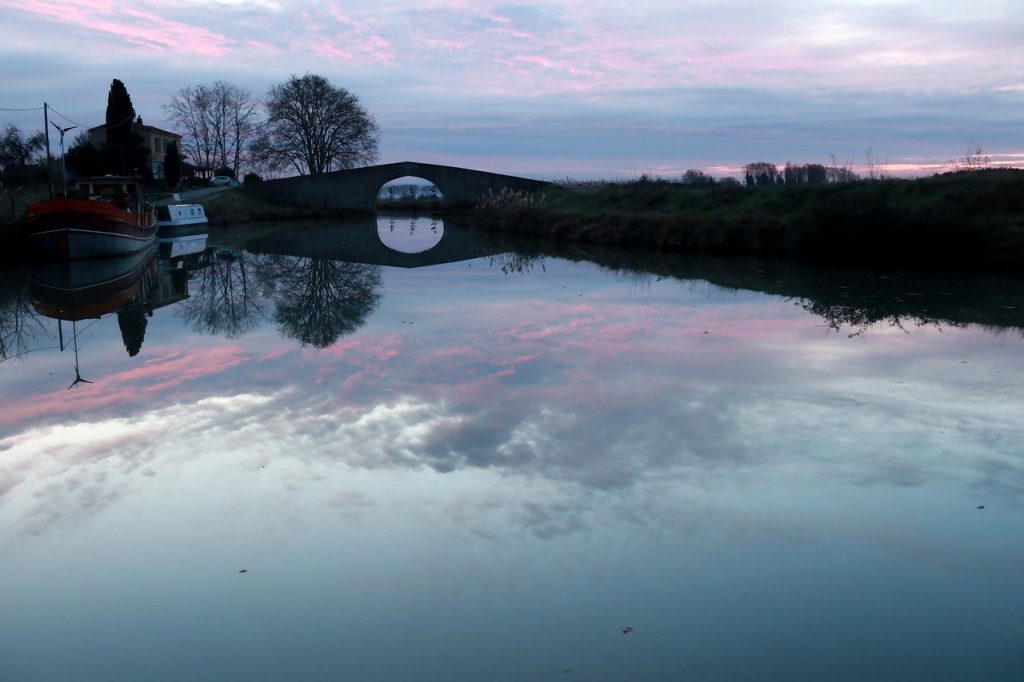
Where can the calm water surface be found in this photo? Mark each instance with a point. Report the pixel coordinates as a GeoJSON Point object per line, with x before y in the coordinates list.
{"type": "Point", "coordinates": [486, 469]}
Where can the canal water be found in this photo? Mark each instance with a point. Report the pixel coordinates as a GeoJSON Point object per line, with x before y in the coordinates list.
{"type": "Point", "coordinates": [408, 450]}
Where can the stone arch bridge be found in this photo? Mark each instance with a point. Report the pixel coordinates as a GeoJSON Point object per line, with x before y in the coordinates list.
{"type": "Point", "coordinates": [356, 189]}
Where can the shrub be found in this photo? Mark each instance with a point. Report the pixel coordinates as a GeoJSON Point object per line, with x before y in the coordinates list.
{"type": "Point", "coordinates": [252, 179]}
{"type": "Point", "coordinates": [510, 198]}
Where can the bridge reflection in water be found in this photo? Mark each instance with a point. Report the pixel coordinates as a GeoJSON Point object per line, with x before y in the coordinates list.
{"type": "Point", "coordinates": [401, 241]}
{"type": "Point", "coordinates": [410, 234]}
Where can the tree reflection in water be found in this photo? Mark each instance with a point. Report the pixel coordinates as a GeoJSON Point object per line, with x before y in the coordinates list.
{"type": "Point", "coordinates": [223, 297]}
{"type": "Point", "coordinates": [319, 300]}
{"type": "Point", "coordinates": [515, 262]}
{"type": "Point", "coordinates": [860, 318]}
{"type": "Point", "coordinates": [19, 322]}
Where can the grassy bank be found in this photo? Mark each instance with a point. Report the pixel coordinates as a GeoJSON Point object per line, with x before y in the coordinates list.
{"type": "Point", "coordinates": [239, 206]}
{"type": "Point", "coordinates": [967, 220]}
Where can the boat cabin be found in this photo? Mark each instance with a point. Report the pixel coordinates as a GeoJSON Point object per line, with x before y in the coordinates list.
{"type": "Point", "coordinates": [124, 192]}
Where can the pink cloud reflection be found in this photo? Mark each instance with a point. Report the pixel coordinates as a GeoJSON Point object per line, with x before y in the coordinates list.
{"type": "Point", "coordinates": [137, 385]}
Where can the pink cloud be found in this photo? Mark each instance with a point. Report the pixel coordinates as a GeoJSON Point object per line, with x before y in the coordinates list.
{"type": "Point", "coordinates": [371, 50]}
{"type": "Point", "coordinates": [128, 22]}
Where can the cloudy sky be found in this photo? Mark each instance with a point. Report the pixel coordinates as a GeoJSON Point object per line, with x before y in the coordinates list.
{"type": "Point", "coordinates": [587, 89]}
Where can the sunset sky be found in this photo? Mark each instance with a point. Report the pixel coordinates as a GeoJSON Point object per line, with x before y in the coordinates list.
{"type": "Point", "coordinates": [582, 89]}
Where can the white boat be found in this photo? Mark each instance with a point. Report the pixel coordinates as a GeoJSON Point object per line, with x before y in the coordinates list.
{"type": "Point", "coordinates": [179, 219]}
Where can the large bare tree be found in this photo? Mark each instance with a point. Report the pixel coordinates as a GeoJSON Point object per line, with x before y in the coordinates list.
{"type": "Point", "coordinates": [314, 127]}
{"type": "Point", "coordinates": [219, 120]}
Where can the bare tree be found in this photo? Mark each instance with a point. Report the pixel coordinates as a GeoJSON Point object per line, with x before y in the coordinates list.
{"type": "Point", "coordinates": [974, 159]}
{"type": "Point", "coordinates": [219, 119]}
{"type": "Point", "coordinates": [16, 149]}
{"type": "Point", "coordinates": [238, 118]}
{"type": "Point", "coordinates": [189, 110]}
{"type": "Point", "coordinates": [841, 171]}
{"type": "Point", "coordinates": [314, 127]}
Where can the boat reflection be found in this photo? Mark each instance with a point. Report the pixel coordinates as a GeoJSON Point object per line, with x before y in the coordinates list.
{"type": "Point", "coordinates": [76, 290]}
{"type": "Point", "coordinates": [129, 286]}
{"type": "Point", "coordinates": [81, 289]}
{"type": "Point", "coordinates": [183, 245]}
{"type": "Point", "coordinates": [89, 288]}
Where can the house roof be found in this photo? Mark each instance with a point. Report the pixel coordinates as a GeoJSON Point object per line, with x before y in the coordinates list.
{"type": "Point", "coordinates": [140, 127]}
{"type": "Point", "coordinates": [159, 131]}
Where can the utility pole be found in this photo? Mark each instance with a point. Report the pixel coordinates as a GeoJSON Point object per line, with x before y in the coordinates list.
{"type": "Point", "coordinates": [46, 129]}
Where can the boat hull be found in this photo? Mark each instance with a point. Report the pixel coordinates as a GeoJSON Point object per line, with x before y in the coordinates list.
{"type": "Point", "coordinates": [85, 228]}
{"type": "Point", "coordinates": [177, 220]}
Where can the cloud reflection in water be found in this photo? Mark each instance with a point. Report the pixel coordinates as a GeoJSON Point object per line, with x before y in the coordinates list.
{"type": "Point", "coordinates": [614, 394]}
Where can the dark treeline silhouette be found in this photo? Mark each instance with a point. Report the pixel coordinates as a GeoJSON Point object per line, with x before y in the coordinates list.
{"type": "Point", "coordinates": [762, 174]}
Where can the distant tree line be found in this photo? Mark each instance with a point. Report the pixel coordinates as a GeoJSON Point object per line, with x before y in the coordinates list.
{"type": "Point", "coordinates": [762, 173]}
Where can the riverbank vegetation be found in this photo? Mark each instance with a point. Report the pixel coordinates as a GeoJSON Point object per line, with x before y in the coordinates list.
{"type": "Point", "coordinates": [964, 220]}
{"type": "Point", "coordinates": [235, 206]}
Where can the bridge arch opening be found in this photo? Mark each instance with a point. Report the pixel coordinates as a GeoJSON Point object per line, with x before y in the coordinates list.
{"type": "Point", "coordinates": [409, 194]}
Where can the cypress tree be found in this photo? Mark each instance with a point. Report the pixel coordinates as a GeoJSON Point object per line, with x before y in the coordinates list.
{"type": "Point", "coordinates": [119, 147]}
{"type": "Point", "coordinates": [172, 165]}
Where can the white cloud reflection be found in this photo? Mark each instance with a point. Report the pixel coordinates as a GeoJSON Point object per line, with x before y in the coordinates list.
{"type": "Point", "coordinates": [612, 448]}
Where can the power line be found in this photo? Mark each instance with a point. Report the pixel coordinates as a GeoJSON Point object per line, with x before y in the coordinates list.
{"type": "Point", "coordinates": [82, 125]}
{"type": "Point", "coordinates": [32, 109]}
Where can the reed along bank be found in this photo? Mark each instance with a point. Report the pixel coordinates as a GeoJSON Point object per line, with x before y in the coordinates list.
{"type": "Point", "coordinates": [964, 221]}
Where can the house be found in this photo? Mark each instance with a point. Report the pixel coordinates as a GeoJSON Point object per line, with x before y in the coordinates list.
{"type": "Point", "coordinates": [154, 139]}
